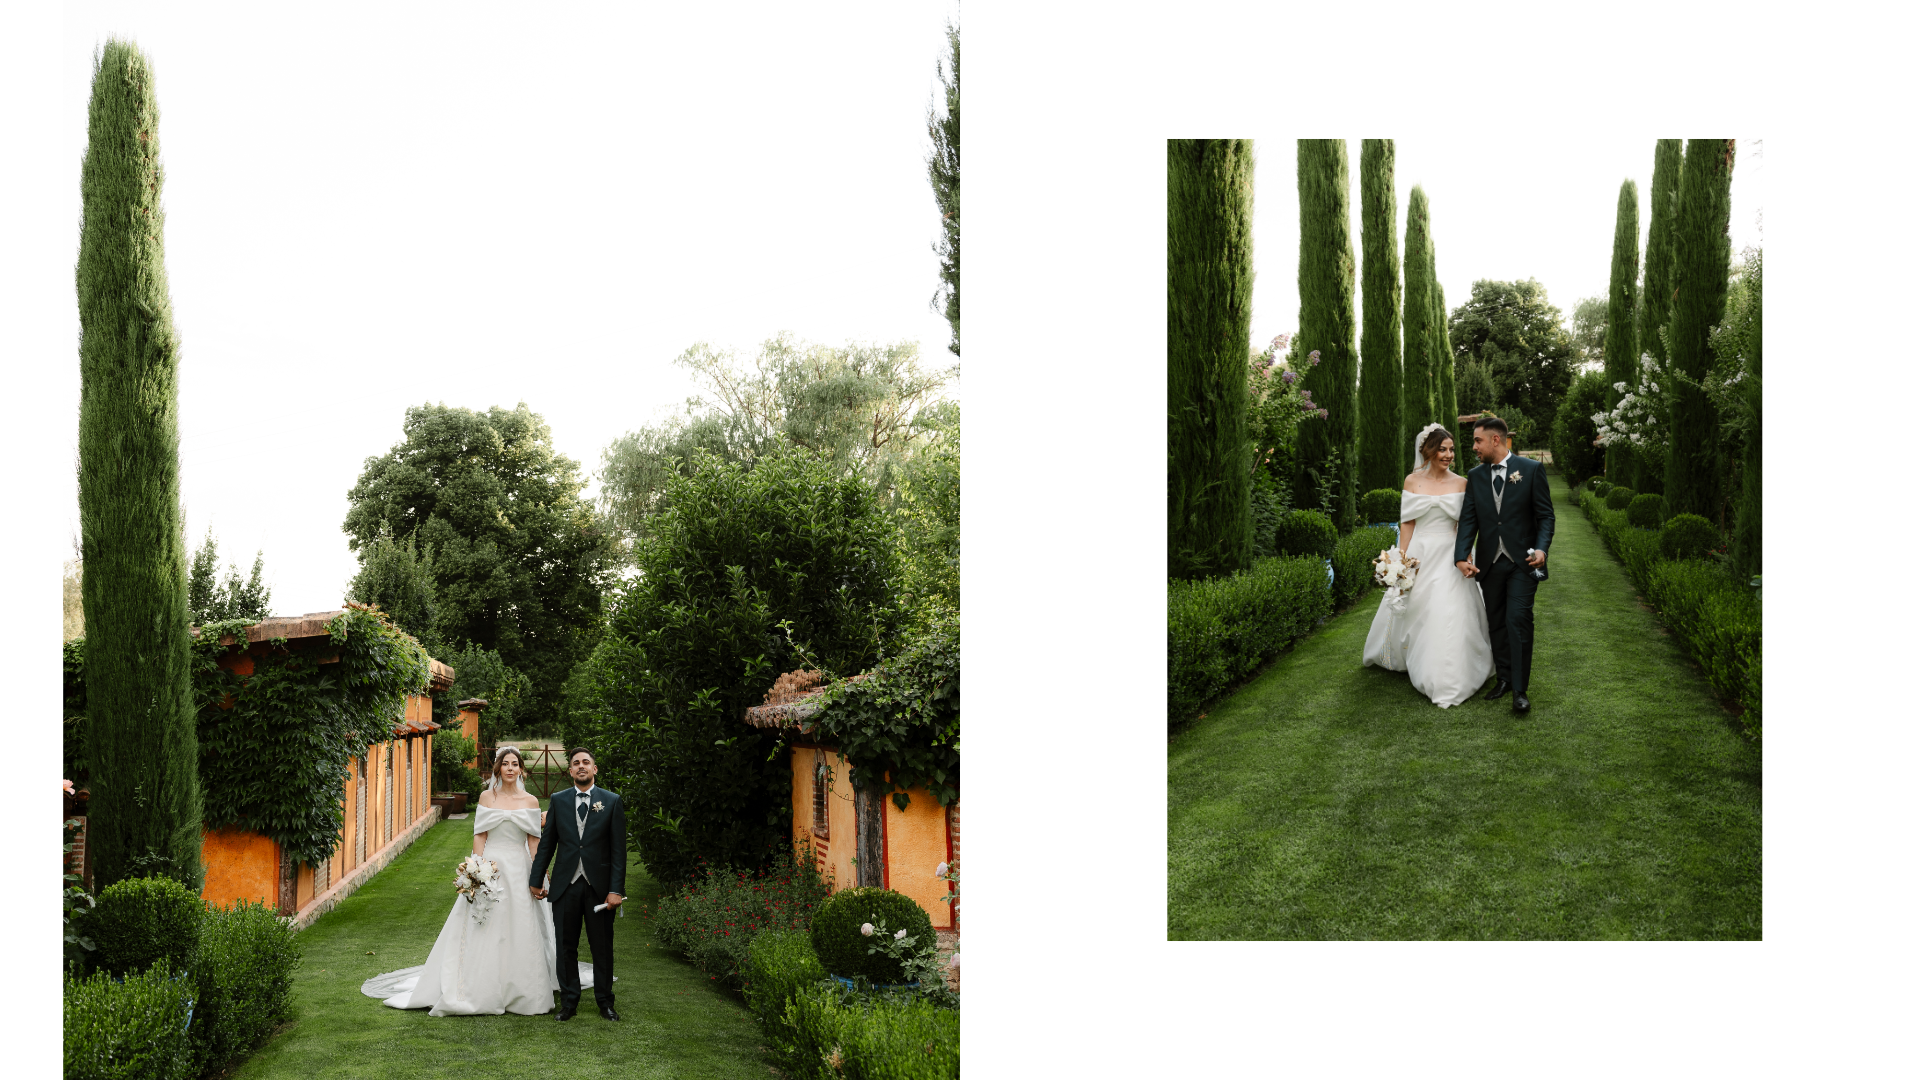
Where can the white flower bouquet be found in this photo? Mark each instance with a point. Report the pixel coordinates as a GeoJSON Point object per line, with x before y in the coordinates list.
{"type": "Point", "coordinates": [1396, 570]}
{"type": "Point", "coordinates": [478, 879]}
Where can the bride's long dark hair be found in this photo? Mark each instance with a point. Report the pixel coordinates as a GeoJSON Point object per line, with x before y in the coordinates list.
{"type": "Point", "coordinates": [501, 757]}
{"type": "Point", "coordinates": [1431, 445]}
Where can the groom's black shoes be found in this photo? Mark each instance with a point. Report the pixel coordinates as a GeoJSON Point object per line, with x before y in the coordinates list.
{"type": "Point", "coordinates": [1521, 704]}
{"type": "Point", "coordinates": [607, 1011]}
{"type": "Point", "coordinates": [1500, 688]}
{"type": "Point", "coordinates": [565, 1013]}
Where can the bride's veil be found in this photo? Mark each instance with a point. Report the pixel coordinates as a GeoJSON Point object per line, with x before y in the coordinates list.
{"type": "Point", "coordinates": [1418, 461]}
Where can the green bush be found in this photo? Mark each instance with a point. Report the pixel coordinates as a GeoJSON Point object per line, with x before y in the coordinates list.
{"type": "Point", "coordinates": [780, 963]}
{"type": "Point", "coordinates": [1688, 536]}
{"type": "Point", "coordinates": [244, 980]}
{"type": "Point", "coordinates": [1647, 511]}
{"type": "Point", "coordinates": [1719, 620]}
{"type": "Point", "coordinates": [1599, 486]}
{"type": "Point", "coordinates": [1619, 498]}
{"type": "Point", "coordinates": [844, 950]}
{"type": "Point", "coordinates": [132, 1030]}
{"type": "Point", "coordinates": [1381, 505]}
{"type": "Point", "coordinates": [451, 773]}
{"type": "Point", "coordinates": [840, 1035]}
{"type": "Point", "coordinates": [1570, 436]}
{"type": "Point", "coordinates": [1220, 629]}
{"type": "Point", "coordinates": [1306, 532]}
{"type": "Point", "coordinates": [1353, 560]}
{"type": "Point", "coordinates": [714, 919]}
{"type": "Point", "coordinates": [137, 921]}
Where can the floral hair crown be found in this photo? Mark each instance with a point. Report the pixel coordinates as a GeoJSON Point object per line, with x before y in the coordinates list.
{"type": "Point", "coordinates": [504, 749]}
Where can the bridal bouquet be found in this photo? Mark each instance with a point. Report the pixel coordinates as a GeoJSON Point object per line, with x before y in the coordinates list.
{"type": "Point", "coordinates": [478, 879]}
{"type": "Point", "coordinates": [1396, 570]}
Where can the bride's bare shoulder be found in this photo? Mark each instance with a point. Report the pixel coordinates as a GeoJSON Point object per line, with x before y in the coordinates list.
{"type": "Point", "coordinates": [1409, 482]}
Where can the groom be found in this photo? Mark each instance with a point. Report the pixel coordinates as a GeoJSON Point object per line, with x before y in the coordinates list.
{"type": "Point", "coordinates": [1509, 509]}
{"type": "Point", "coordinates": [587, 829]}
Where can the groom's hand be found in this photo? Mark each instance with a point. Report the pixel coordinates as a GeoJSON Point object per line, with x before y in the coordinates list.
{"type": "Point", "coordinates": [614, 899]}
{"type": "Point", "coordinates": [1467, 569]}
{"type": "Point", "coordinates": [538, 894]}
{"type": "Point", "coordinates": [1538, 558]}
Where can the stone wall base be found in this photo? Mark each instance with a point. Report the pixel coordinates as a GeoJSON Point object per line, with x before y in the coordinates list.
{"type": "Point", "coordinates": [324, 903]}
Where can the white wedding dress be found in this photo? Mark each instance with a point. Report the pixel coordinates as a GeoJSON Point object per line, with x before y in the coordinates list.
{"type": "Point", "coordinates": [1441, 639]}
{"type": "Point", "coordinates": [502, 965]}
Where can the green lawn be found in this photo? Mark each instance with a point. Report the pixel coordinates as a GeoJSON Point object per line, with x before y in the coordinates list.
{"type": "Point", "coordinates": [1327, 800]}
{"type": "Point", "coordinates": [673, 1022]}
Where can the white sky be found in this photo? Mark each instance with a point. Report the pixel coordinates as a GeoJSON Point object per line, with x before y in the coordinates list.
{"type": "Point", "coordinates": [1504, 211]}
{"type": "Point", "coordinates": [378, 206]}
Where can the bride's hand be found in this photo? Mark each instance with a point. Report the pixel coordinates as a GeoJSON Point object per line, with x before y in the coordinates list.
{"type": "Point", "coordinates": [1467, 569]}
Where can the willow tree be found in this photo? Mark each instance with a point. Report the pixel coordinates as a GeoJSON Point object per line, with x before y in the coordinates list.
{"type": "Point", "coordinates": [1326, 447]}
{"type": "Point", "coordinates": [1209, 311]}
{"type": "Point", "coordinates": [1621, 358]}
{"type": "Point", "coordinates": [1418, 324]}
{"type": "Point", "coordinates": [1381, 464]}
{"type": "Point", "coordinates": [1656, 288]}
{"type": "Point", "coordinates": [1702, 256]}
{"type": "Point", "coordinates": [144, 813]}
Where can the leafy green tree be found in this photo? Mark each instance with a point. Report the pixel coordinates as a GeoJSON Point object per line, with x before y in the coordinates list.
{"type": "Point", "coordinates": [1509, 327]}
{"type": "Point", "coordinates": [748, 572]}
{"type": "Point", "coordinates": [518, 559]}
{"type": "Point", "coordinates": [1621, 350]}
{"type": "Point", "coordinates": [1574, 428]}
{"type": "Point", "coordinates": [1418, 324]}
{"type": "Point", "coordinates": [397, 578]}
{"type": "Point", "coordinates": [1382, 464]}
{"type": "Point", "coordinates": [1656, 290]}
{"type": "Point", "coordinates": [1209, 307]}
{"type": "Point", "coordinates": [232, 598]}
{"type": "Point", "coordinates": [1702, 254]}
{"type": "Point", "coordinates": [943, 172]}
{"type": "Point", "coordinates": [480, 673]}
{"type": "Point", "coordinates": [1326, 326]}
{"type": "Point", "coordinates": [927, 513]}
{"type": "Point", "coordinates": [866, 409]}
{"type": "Point", "coordinates": [146, 806]}
{"type": "Point", "coordinates": [1589, 330]}
{"type": "Point", "coordinates": [1744, 389]}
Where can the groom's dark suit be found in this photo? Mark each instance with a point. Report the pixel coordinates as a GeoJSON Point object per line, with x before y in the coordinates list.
{"type": "Point", "coordinates": [588, 863]}
{"type": "Point", "coordinates": [1506, 519]}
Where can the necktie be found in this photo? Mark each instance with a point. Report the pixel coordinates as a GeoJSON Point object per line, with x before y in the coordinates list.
{"type": "Point", "coordinates": [1499, 481]}
{"type": "Point", "coordinates": [580, 812]}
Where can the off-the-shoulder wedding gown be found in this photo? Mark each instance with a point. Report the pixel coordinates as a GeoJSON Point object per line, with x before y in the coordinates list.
{"type": "Point", "coordinates": [1441, 640]}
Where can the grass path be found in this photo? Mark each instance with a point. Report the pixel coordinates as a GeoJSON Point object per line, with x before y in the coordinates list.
{"type": "Point", "coordinates": [674, 1023]}
{"type": "Point", "coordinates": [1326, 800]}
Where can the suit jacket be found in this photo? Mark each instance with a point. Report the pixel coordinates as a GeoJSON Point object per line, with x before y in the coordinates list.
{"type": "Point", "coordinates": [1524, 517]}
{"type": "Point", "coordinates": [602, 847]}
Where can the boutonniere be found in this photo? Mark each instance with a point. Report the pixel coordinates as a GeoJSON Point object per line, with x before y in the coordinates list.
{"type": "Point", "coordinates": [1518, 476]}
{"type": "Point", "coordinates": [598, 806]}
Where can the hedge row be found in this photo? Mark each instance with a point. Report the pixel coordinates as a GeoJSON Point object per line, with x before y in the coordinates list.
{"type": "Point", "coordinates": [1353, 560]}
{"type": "Point", "coordinates": [820, 1030]}
{"type": "Point", "coordinates": [1716, 616]}
{"type": "Point", "coordinates": [1220, 629]}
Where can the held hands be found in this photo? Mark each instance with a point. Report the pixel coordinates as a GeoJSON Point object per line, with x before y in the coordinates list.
{"type": "Point", "coordinates": [538, 894]}
{"type": "Point", "coordinates": [1467, 569]}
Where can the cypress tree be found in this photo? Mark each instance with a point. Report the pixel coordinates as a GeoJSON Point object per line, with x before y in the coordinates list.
{"type": "Point", "coordinates": [145, 806]}
{"type": "Point", "coordinates": [1702, 255]}
{"type": "Point", "coordinates": [1326, 325]}
{"type": "Point", "coordinates": [1209, 310]}
{"type": "Point", "coordinates": [1382, 464]}
{"type": "Point", "coordinates": [1621, 357]}
{"type": "Point", "coordinates": [1445, 403]}
{"type": "Point", "coordinates": [1656, 288]}
{"type": "Point", "coordinates": [1416, 371]}
{"type": "Point", "coordinates": [943, 172]}
{"type": "Point", "coordinates": [1746, 530]}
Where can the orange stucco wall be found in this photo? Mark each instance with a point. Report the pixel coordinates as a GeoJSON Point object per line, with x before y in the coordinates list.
{"type": "Point", "coordinates": [916, 846]}
{"type": "Point", "coordinates": [240, 866]}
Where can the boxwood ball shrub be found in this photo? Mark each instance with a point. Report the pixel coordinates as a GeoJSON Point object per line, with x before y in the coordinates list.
{"type": "Point", "coordinates": [1647, 511]}
{"type": "Point", "coordinates": [1619, 498]}
{"type": "Point", "coordinates": [1381, 505]}
{"type": "Point", "coordinates": [1306, 532]}
{"type": "Point", "coordinates": [1598, 486]}
{"type": "Point", "coordinates": [137, 921]}
{"type": "Point", "coordinates": [842, 948]}
{"type": "Point", "coordinates": [1687, 536]}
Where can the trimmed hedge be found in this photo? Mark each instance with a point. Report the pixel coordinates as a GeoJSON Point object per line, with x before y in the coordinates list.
{"type": "Point", "coordinates": [132, 1030]}
{"type": "Point", "coordinates": [1618, 498]}
{"type": "Point", "coordinates": [1380, 505]}
{"type": "Point", "coordinates": [779, 964]}
{"type": "Point", "coordinates": [1688, 536]}
{"type": "Point", "coordinates": [844, 950]}
{"type": "Point", "coordinates": [137, 921]}
{"type": "Point", "coordinates": [1221, 629]}
{"type": "Point", "coordinates": [1353, 560]}
{"type": "Point", "coordinates": [837, 1035]}
{"type": "Point", "coordinates": [1647, 511]}
{"type": "Point", "coordinates": [244, 978]}
{"type": "Point", "coordinates": [1306, 532]}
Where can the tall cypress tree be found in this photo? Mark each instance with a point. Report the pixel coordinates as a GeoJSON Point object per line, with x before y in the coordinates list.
{"type": "Point", "coordinates": [145, 808]}
{"type": "Point", "coordinates": [1209, 310]}
{"type": "Point", "coordinates": [1381, 464]}
{"type": "Point", "coordinates": [1702, 255]}
{"type": "Point", "coordinates": [1746, 531]}
{"type": "Point", "coordinates": [943, 172]}
{"type": "Point", "coordinates": [1326, 325]}
{"type": "Point", "coordinates": [1444, 401]}
{"type": "Point", "coordinates": [1621, 357]}
{"type": "Point", "coordinates": [1656, 288]}
{"type": "Point", "coordinates": [1416, 370]}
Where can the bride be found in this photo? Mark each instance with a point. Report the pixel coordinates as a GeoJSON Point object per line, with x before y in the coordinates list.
{"type": "Point", "coordinates": [1440, 638]}
{"type": "Point", "coordinates": [499, 960]}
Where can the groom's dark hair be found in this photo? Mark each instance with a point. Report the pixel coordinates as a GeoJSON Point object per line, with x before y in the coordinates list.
{"type": "Point", "coordinates": [1492, 423]}
{"type": "Point", "coordinates": [578, 750]}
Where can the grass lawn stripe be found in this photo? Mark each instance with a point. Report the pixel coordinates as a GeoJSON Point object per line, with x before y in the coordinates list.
{"type": "Point", "coordinates": [1327, 800]}
{"type": "Point", "coordinates": [673, 1021]}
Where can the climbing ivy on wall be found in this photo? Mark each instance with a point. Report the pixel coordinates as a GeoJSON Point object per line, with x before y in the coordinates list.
{"type": "Point", "coordinates": [276, 745]}
{"type": "Point", "coordinates": [903, 720]}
